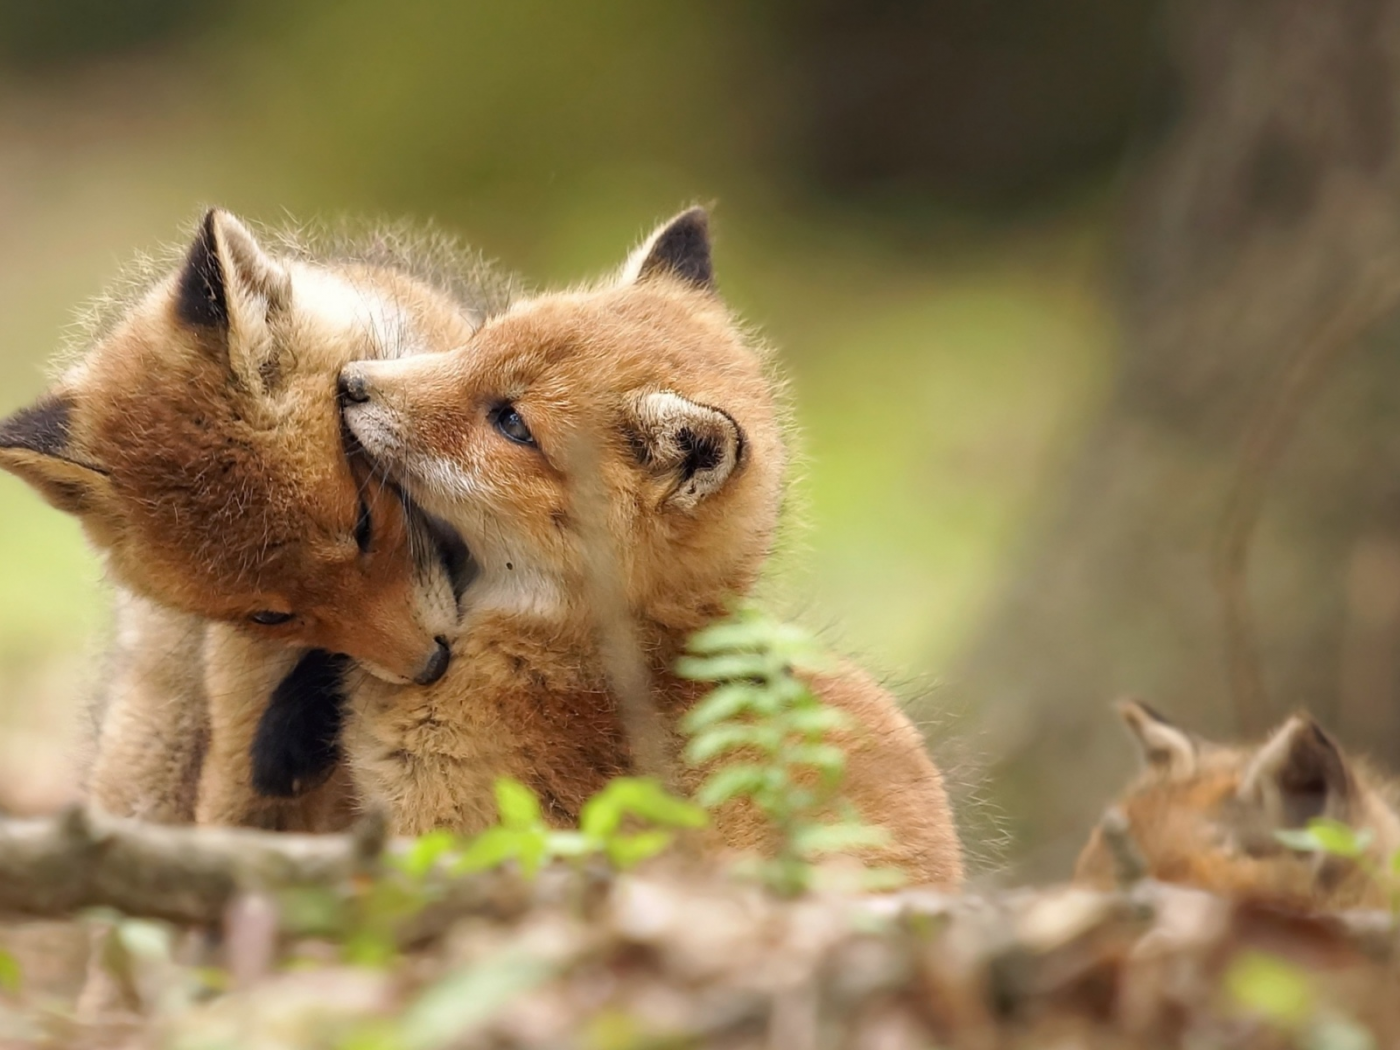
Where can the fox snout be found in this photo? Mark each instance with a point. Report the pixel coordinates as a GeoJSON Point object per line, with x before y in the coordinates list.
{"type": "Point", "coordinates": [369, 414]}
{"type": "Point", "coordinates": [424, 669]}
{"type": "Point", "coordinates": [436, 665]}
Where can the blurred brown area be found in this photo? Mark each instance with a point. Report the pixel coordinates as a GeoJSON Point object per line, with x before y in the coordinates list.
{"type": "Point", "coordinates": [937, 210]}
{"type": "Point", "coordinates": [1225, 543]}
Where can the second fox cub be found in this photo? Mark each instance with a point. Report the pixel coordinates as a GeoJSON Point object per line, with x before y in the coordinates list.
{"type": "Point", "coordinates": [628, 431]}
{"type": "Point", "coordinates": [1205, 814]}
{"type": "Point", "coordinates": [199, 442]}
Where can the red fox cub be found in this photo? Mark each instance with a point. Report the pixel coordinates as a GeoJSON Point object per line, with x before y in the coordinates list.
{"type": "Point", "coordinates": [199, 442]}
{"type": "Point", "coordinates": [1206, 814]}
{"type": "Point", "coordinates": [634, 416]}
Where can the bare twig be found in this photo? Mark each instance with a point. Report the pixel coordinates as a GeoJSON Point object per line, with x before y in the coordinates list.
{"type": "Point", "coordinates": [56, 866]}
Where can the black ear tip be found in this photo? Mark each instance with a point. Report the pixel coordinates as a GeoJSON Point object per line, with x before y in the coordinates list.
{"type": "Point", "coordinates": [41, 427]}
{"type": "Point", "coordinates": [1152, 713]}
{"type": "Point", "coordinates": [205, 236]}
{"type": "Point", "coordinates": [1319, 736]}
{"type": "Point", "coordinates": [681, 249]}
{"type": "Point", "coordinates": [696, 217]}
{"type": "Point", "coordinates": [201, 299]}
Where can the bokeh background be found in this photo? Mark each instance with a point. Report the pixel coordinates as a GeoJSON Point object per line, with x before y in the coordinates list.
{"type": "Point", "coordinates": [1085, 307]}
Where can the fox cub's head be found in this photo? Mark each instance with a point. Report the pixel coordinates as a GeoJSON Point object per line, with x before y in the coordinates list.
{"type": "Point", "coordinates": [637, 405]}
{"type": "Point", "coordinates": [1206, 814]}
{"type": "Point", "coordinates": [200, 443]}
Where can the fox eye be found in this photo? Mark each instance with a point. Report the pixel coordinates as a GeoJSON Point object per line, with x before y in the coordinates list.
{"type": "Point", "coordinates": [512, 425]}
{"type": "Point", "coordinates": [364, 527]}
{"type": "Point", "coordinates": [268, 618]}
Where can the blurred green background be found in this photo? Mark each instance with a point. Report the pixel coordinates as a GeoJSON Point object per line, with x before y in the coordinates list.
{"type": "Point", "coordinates": [912, 201]}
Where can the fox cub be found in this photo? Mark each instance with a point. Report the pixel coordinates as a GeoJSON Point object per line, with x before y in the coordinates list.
{"type": "Point", "coordinates": [199, 442]}
{"type": "Point", "coordinates": [628, 429]}
{"type": "Point", "coordinates": [1206, 814]}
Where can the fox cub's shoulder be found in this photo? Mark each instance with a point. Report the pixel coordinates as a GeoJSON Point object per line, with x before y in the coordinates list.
{"type": "Point", "coordinates": [1206, 814]}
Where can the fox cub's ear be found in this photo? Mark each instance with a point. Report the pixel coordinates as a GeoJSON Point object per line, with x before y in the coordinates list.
{"type": "Point", "coordinates": [697, 447]}
{"type": "Point", "coordinates": [230, 289]}
{"type": "Point", "coordinates": [679, 248]}
{"type": "Point", "coordinates": [1165, 748]}
{"type": "Point", "coordinates": [34, 445]}
{"type": "Point", "coordinates": [1298, 774]}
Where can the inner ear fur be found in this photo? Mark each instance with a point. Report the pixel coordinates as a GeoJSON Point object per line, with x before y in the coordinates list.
{"type": "Point", "coordinates": [1299, 773]}
{"type": "Point", "coordinates": [229, 290]}
{"type": "Point", "coordinates": [1165, 748]}
{"type": "Point", "coordinates": [35, 446]}
{"type": "Point", "coordinates": [698, 447]}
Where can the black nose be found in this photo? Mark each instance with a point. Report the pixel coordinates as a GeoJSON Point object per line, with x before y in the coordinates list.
{"type": "Point", "coordinates": [436, 666]}
{"type": "Point", "coordinates": [353, 388]}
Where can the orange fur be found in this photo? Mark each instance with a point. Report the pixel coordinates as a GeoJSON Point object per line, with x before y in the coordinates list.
{"type": "Point", "coordinates": [639, 404]}
{"type": "Point", "coordinates": [1205, 814]}
{"type": "Point", "coordinates": [198, 441]}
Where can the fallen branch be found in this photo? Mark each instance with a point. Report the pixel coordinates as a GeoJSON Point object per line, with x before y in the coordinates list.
{"type": "Point", "coordinates": [54, 867]}
{"type": "Point", "coordinates": [79, 859]}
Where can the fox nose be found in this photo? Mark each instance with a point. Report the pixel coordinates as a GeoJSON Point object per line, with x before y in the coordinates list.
{"type": "Point", "coordinates": [353, 387]}
{"type": "Point", "coordinates": [436, 666]}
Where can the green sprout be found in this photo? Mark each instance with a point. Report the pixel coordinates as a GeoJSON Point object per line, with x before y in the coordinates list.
{"type": "Point", "coordinates": [1281, 994]}
{"type": "Point", "coordinates": [523, 836]}
{"type": "Point", "coordinates": [767, 738]}
{"type": "Point", "coordinates": [630, 820]}
{"type": "Point", "coordinates": [1327, 837]}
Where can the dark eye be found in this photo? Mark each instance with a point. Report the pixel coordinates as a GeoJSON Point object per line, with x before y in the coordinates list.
{"type": "Point", "coordinates": [510, 423]}
{"type": "Point", "coordinates": [268, 618]}
{"type": "Point", "coordinates": [364, 527]}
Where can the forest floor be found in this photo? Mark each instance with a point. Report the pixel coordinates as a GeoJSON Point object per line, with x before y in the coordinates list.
{"type": "Point", "coordinates": [678, 955]}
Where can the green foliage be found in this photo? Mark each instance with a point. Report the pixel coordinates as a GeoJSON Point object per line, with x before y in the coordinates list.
{"type": "Point", "coordinates": [453, 1005]}
{"type": "Point", "coordinates": [1282, 995]}
{"type": "Point", "coordinates": [1332, 838]}
{"type": "Point", "coordinates": [766, 736]}
{"type": "Point", "coordinates": [10, 975]}
{"type": "Point", "coordinates": [523, 836]}
{"type": "Point", "coordinates": [1267, 986]}
{"type": "Point", "coordinates": [629, 821]}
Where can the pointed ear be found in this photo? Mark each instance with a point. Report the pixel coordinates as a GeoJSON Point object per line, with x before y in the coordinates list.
{"type": "Point", "coordinates": [1166, 749]}
{"type": "Point", "coordinates": [1300, 773]}
{"type": "Point", "coordinates": [229, 288]}
{"type": "Point", "coordinates": [34, 447]}
{"type": "Point", "coordinates": [679, 249]}
{"type": "Point", "coordinates": [697, 447]}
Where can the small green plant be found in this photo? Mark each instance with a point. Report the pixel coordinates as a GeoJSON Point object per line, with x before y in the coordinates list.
{"type": "Point", "coordinates": [1282, 995]}
{"type": "Point", "coordinates": [523, 836]}
{"type": "Point", "coordinates": [1327, 836]}
{"type": "Point", "coordinates": [1334, 839]}
{"type": "Point", "coordinates": [10, 973]}
{"type": "Point", "coordinates": [629, 821]}
{"type": "Point", "coordinates": [769, 740]}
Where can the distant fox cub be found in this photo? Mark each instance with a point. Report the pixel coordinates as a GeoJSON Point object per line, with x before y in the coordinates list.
{"type": "Point", "coordinates": [1205, 814]}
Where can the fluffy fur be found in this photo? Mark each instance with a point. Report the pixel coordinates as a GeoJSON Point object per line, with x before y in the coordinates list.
{"type": "Point", "coordinates": [197, 439]}
{"type": "Point", "coordinates": [613, 453]}
{"type": "Point", "coordinates": [1205, 814]}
